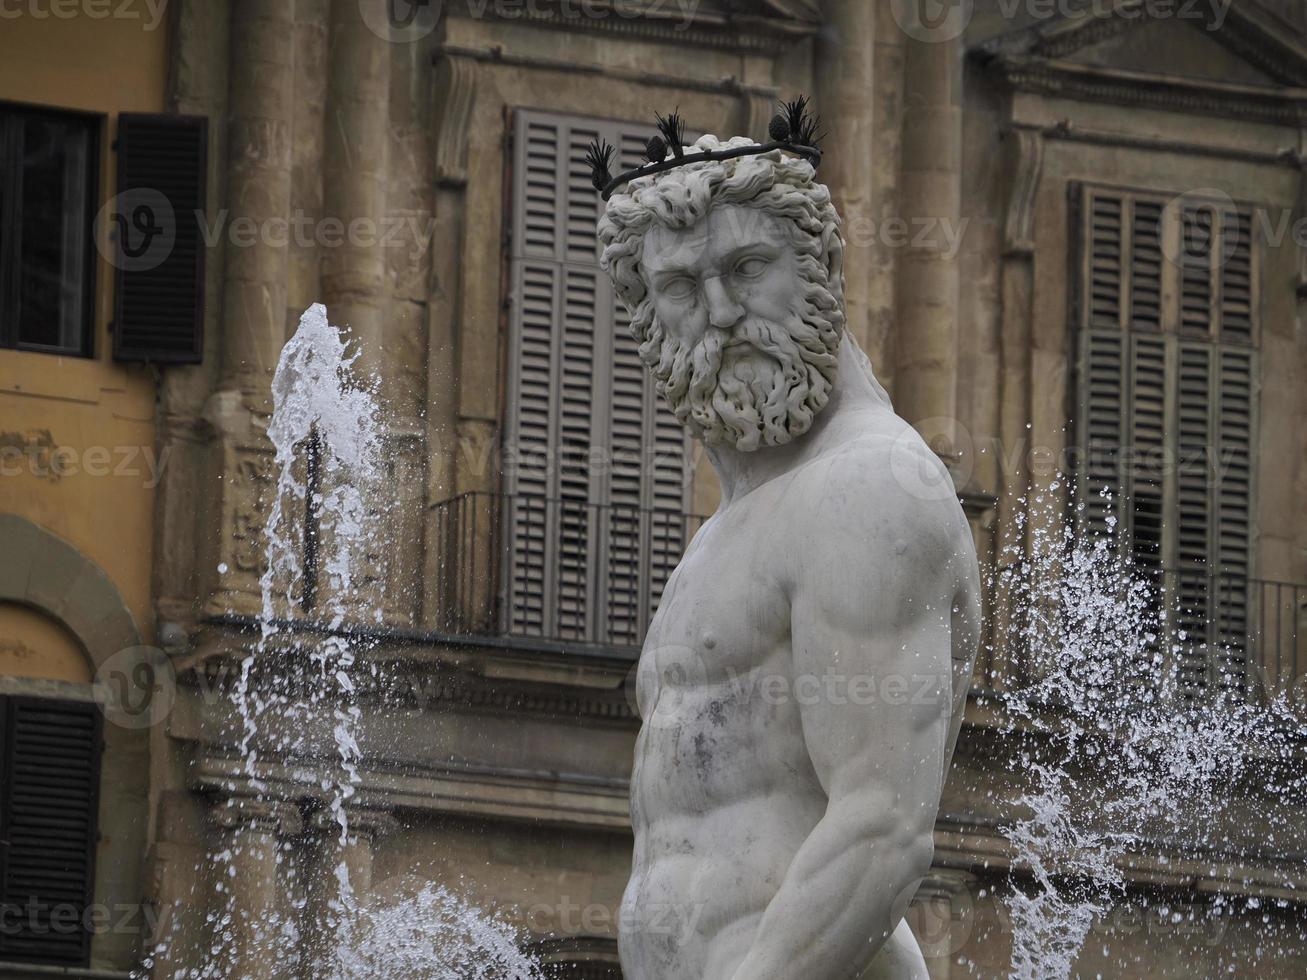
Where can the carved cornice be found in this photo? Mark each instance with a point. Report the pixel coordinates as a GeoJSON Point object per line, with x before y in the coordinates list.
{"type": "Point", "coordinates": [538, 798]}
{"type": "Point", "coordinates": [694, 24]}
{"type": "Point", "coordinates": [1090, 84]}
{"type": "Point", "coordinates": [407, 669]}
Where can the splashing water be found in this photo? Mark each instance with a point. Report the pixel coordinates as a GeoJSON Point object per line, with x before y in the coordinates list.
{"type": "Point", "coordinates": [1125, 760]}
{"type": "Point", "coordinates": [295, 692]}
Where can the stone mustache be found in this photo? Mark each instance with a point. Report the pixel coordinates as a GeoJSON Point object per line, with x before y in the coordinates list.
{"type": "Point", "coordinates": [802, 684]}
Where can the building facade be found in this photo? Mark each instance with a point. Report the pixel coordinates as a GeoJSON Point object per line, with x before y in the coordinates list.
{"type": "Point", "coordinates": [1072, 238]}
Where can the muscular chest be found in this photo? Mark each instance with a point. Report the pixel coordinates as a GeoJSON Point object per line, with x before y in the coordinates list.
{"type": "Point", "coordinates": [723, 619]}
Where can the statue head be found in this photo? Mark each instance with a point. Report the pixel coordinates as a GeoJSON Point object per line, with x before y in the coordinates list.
{"type": "Point", "coordinates": [732, 272]}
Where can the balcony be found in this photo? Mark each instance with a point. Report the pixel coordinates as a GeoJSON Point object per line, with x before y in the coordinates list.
{"type": "Point", "coordinates": [555, 573]}
{"type": "Point", "coordinates": [574, 576]}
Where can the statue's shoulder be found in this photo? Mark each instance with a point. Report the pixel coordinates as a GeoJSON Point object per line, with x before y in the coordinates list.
{"type": "Point", "coordinates": [885, 482]}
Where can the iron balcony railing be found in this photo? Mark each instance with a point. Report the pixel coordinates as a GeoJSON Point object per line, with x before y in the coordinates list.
{"type": "Point", "coordinates": [589, 576]}
{"type": "Point", "coordinates": [553, 569]}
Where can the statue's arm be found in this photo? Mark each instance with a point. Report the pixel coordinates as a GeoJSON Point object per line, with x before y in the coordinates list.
{"type": "Point", "coordinates": [873, 604]}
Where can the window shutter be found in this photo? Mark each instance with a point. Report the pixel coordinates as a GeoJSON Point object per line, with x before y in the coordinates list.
{"type": "Point", "coordinates": [1166, 411]}
{"type": "Point", "coordinates": [1145, 265]}
{"type": "Point", "coordinates": [159, 295]}
{"type": "Point", "coordinates": [1237, 278]}
{"type": "Point", "coordinates": [1106, 257]}
{"type": "Point", "coordinates": [1144, 491]}
{"type": "Point", "coordinates": [585, 563]}
{"type": "Point", "coordinates": [1193, 519]}
{"type": "Point", "coordinates": [1197, 231]}
{"type": "Point", "coordinates": [1232, 494]}
{"type": "Point", "coordinates": [49, 798]}
{"type": "Point", "coordinates": [1102, 400]}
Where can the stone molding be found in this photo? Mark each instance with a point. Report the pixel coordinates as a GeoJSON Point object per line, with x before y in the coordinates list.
{"type": "Point", "coordinates": [548, 799]}
{"type": "Point", "coordinates": [720, 28]}
{"type": "Point", "coordinates": [248, 813]}
{"type": "Point", "coordinates": [1086, 83]}
{"type": "Point", "coordinates": [365, 822]}
{"type": "Point", "coordinates": [42, 570]}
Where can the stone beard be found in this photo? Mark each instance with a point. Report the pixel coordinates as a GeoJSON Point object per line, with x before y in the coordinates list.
{"type": "Point", "coordinates": [783, 837]}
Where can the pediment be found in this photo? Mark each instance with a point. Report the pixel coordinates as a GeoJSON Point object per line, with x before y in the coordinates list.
{"type": "Point", "coordinates": [1246, 62]}
{"type": "Point", "coordinates": [1162, 48]}
{"type": "Point", "coordinates": [1245, 45]}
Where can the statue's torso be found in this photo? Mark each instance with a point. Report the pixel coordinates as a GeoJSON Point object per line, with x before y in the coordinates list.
{"type": "Point", "coordinates": [723, 791]}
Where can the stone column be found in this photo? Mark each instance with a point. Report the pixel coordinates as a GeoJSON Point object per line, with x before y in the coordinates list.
{"type": "Point", "coordinates": [926, 351]}
{"type": "Point", "coordinates": [356, 144]}
{"type": "Point", "coordinates": [259, 140]}
{"type": "Point", "coordinates": [259, 186]}
{"type": "Point", "coordinates": [845, 84]}
{"type": "Point", "coordinates": [249, 839]}
{"type": "Point", "coordinates": [943, 918]}
{"type": "Point", "coordinates": [1015, 409]}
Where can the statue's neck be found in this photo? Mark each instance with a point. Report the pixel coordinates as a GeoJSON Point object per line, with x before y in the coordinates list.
{"type": "Point", "coordinates": [842, 418]}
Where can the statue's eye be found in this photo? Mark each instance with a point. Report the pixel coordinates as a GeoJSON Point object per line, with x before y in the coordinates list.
{"type": "Point", "coordinates": [751, 267]}
{"type": "Point", "coordinates": [682, 287]}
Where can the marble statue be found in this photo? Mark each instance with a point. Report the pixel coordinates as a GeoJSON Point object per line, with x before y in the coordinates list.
{"type": "Point", "coordinates": [802, 683]}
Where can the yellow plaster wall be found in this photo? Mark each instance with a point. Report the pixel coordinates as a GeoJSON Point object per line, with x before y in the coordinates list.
{"type": "Point", "coordinates": [77, 438]}
{"type": "Point", "coordinates": [34, 645]}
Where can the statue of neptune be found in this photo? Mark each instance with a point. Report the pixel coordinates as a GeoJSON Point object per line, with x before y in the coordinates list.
{"type": "Point", "coordinates": [803, 681]}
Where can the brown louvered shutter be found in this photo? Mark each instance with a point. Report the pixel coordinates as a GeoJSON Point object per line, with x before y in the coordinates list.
{"type": "Point", "coordinates": [583, 560]}
{"type": "Point", "coordinates": [1234, 409]}
{"type": "Point", "coordinates": [159, 293]}
{"type": "Point", "coordinates": [1166, 406]}
{"type": "Point", "coordinates": [49, 799]}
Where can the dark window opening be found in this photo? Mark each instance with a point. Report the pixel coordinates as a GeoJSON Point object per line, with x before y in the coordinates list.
{"type": "Point", "coordinates": [48, 178]}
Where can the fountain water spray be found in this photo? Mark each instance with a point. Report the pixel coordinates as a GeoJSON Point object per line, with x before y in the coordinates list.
{"type": "Point", "coordinates": [297, 685]}
{"type": "Point", "coordinates": [1124, 760]}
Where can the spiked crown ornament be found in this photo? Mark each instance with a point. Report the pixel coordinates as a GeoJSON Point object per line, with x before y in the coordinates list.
{"type": "Point", "coordinates": [792, 129]}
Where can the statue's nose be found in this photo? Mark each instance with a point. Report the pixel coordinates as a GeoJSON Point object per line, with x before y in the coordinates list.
{"type": "Point", "coordinates": [723, 311]}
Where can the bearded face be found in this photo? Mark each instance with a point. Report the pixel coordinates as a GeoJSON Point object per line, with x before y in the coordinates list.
{"type": "Point", "coordinates": [744, 332]}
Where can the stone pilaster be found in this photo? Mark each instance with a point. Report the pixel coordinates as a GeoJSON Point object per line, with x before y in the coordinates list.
{"type": "Point", "coordinates": [259, 140]}
{"type": "Point", "coordinates": [943, 917]}
{"type": "Point", "coordinates": [845, 83]}
{"type": "Point", "coordinates": [926, 347]}
{"type": "Point", "coordinates": [249, 832]}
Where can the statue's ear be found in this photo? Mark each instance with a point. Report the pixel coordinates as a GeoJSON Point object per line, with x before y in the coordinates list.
{"type": "Point", "coordinates": [835, 264]}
